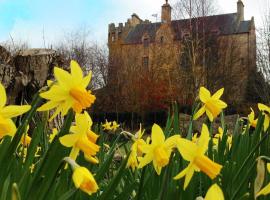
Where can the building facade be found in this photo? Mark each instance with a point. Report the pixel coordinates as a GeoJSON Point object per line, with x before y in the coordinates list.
{"type": "Point", "coordinates": [153, 64]}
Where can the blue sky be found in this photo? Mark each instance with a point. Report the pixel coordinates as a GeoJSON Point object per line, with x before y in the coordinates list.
{"type": "Point", "coordinates": [27, 20]}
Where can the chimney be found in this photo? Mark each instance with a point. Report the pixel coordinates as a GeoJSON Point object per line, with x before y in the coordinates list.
{"type": "Point", "coordinates": [166, 13]}
{"type": "Point", "coordinates": [240, 11]}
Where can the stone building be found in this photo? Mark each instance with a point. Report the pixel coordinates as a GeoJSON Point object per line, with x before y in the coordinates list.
{"type": "Point", "coordinates": [152, 64]}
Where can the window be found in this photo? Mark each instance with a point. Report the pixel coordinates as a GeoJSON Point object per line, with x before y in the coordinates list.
{"type": "Point", "coordinates": [161, 39]}
{"type": "Point", "coordinates": [145, 42]}
{"type": "Point", "coordinates": [145, 62]}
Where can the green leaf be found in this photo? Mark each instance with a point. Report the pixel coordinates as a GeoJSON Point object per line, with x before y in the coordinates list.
{"type": "Point", "coordinates": [4, 193]}
{"type": "Point", "coordinates": [108, 191]}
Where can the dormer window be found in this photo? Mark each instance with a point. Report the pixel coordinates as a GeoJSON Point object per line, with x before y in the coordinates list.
{"type": "Point", "coordinates": [185, 35]}
{"type": "Point", "coordinates": [146, 42]}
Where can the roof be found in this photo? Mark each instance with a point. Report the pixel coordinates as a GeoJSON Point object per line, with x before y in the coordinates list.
{"type": "Point", "coordinates": [224, 24]}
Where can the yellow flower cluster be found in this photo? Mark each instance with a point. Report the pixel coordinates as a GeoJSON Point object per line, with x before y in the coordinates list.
{"type": "Point", "coordinates": [160, 149]}
{"type": "Point", "coordinates": [110, 126]}
{"type": "Point", "coordinates": [70, 91]}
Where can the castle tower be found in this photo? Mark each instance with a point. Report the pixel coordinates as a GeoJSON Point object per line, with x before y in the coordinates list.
{"type": "Point", "coordinates": [240, 11]}
{"type": "Point", "coordinates": [166, 13]}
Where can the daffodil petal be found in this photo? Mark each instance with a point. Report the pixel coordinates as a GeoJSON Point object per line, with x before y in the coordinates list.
{"type": "Point", "coordinates": [86, 80]}
{"type": "Point", "coordinates": [264, 191]}
{"type": "Point", "coordinates": [156, 167]}
{"type": "Point", "coordinates": [210, 116]}
{"type": "Point", "coordinates": [181, 174]}
{"type": "Point", "coordinates": [199, 113]}
{"type": "Point", "coordinates": [157, 135]}
{"type": "Point", "coordinates": [63, 77]}
{"type": "Point", "coordinates": [48, 106]}
{"type": "Point", "coordinates": [266, 123]}
{"type": "Point", "coordinates": [14, 111]}
{"type": "Point", "coordinates": [204, 139]}
{"type": "Point", "coordinates": [189, 175]}
{"type": "Point", "coordinates": [187, 149]}
{"type": "Point", "coordinates": [221, 104]}
{"type": "Point", "coordinates": [69, 139]}
{"type": "Point", "coordinates": [78, 177]}
{"type": "Point", "coordinates": [218, 94]}
{"type": "Point", "coordinates": [268, 167]}
{"type": "Point", "coordinates": [3, 96]}
{"type": "Point", "coordinates": [263, 107]}
{"type": "Point", "coordinates": [7, 127]}
{"type": "Point", "coordinates": [76, 70]}
{"type": "Point", "coordinates": [204, 94]}
{"type": "Point", "coordinates": [171, 142]}
{"type": "Point", "coordinates": [145, 160]}
{"type": "Point", "coordinates": [214, 193]}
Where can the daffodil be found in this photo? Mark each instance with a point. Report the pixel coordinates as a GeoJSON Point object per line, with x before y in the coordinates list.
{"type": "Point", "coordinates": [107, 125]}
{"type": "Point", "coordinates": [7, 126]}
{"type": "Point", "coordinates": [212, 104]}
{"type": "Point", "coordinates": [266, 112]}
{"type": "Point", "coordinates": [266, 189]}
{"type": "Point", "coordinates": [159, 150]}
{"type": "Point", "coordinates": [82, 178]}
{"type": "Point", "coordinates": [114, 126]}
{"type": "Point", "coordinates": [251, 119]}
{"type": "Point", "coordinates": [26, 139]}
{"type": "Point", "coordinates": [218, 138]}
{"type": "Point", "coordinates": [195, 154]}
{"type": "Point", "coordinates": [69, 91]}
{"type": "Point", "coordinates": [214, 193]}
{"type": "Point", "coordinates": [136, 149]}
{"type": "Point", "coordinates": [81, 138]}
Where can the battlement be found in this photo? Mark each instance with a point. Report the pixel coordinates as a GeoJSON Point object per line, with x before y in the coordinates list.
{"type": "Point", "coordinates": [115, 32]}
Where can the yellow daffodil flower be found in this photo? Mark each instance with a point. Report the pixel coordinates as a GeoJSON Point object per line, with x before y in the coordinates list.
{"type": "Point", "coordinates": [159, 150]}
{"type": "Point", "coordinates": [195, 154]}
{"type": "Point", "coordinates": [7, 126]}
{"type": "Point", "coordinates": [214, 193]}
{"type": "Point", "coordinates": [69, 91]}
{"type": "Point", "coordinates": [107, 126]}
{"type": "Point", "coordinates": [266, 112]}
{"type": "Point", "coordinates": [218, 138]}
{"type": "Point", "coordinates": [82, 177]}
{"type": "Point", "coordinates": [212, 104]}
{"type": "Point", "coordinates": [251, 119]}
{"type": "Point", "coordinates": [84, 180]}
{"type": "Point", "coordinates": [136, 149]}
{"type": "Point", "coordinates": [114, 126]}
{"type": "Point", "coordinates": [81, 138]}
{"type": "Point", "coordinates": [26, 139]}
{"type": "Point", "coordinates": [266, 189]}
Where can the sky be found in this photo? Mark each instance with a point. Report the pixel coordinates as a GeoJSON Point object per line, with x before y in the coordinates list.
{"type": "Point", "coordinates": [45, 22]}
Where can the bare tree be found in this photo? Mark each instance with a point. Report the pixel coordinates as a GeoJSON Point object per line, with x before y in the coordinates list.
{"type": "Point", "coordinates": [78, 46]}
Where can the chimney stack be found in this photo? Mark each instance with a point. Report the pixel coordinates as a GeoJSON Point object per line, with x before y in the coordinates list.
{"type": "Point", "coordinates": [166, 13]}
{"type": "Point", "coordinates": [240, 11]}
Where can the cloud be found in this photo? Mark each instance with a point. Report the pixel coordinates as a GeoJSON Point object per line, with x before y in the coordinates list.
{"type": "Point", "coordinates": [57, 17]}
